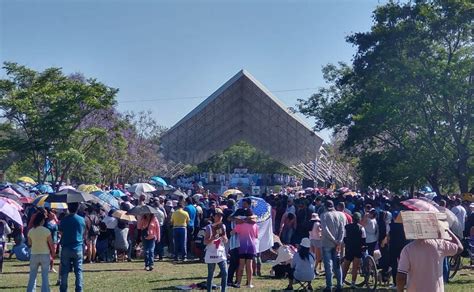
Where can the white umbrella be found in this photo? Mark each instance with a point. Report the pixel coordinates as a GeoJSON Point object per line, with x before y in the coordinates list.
{"type": "Point", "coordinates": [141, 188]}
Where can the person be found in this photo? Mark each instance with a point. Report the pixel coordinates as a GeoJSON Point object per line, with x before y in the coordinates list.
{"type": "Point", "coordinates": [215, 240]}
{"type": "Point", "coordinates": [460, 212]}
{"type": "Point", "coordinates": [354, 240]}
{"type": "Point", "coordinates": [39, 238]}
{"type": "Point", "coordinates": [111, 223]}
{"type": "Point", "coordinates": [72, 228]}
{"type": "Point", "coordinates": [20, 250]}
{"type": "Point", "coordinates": [52, 225]}
{"type": "Point", "coordinates": [180, 220]}
{"type": "Point", "coordinates": [102, 244]}
{"type": "Point", "coordinates": [248, 235]}
{"type": "Point", "coordinates": [332, 225]}
{"type": "Point", "coordinates": [121, 242]}
{"type": "Point", "coordinates": [341, 207]}
{"type": "Point", "coordinates": [315, 238]}
{"type": "Point", "coordinates": [191, 210]}
{"type": "Point", "coordinates": [419, 267]}
{"type": "Point", "coordinates": [302, 265]}
{"type": "Point", "coordinates": [371, 230]}
{"type": "Point", "coordinates": [92, 231]}
{"type": "Point", "coordinates": [288, 228]}
{"type": "Point", "coordinates": [150, 228]}
{"type": "Point", "coordinates": [396, 243]}
{"type": "Point", "coordinates": [4, 231]}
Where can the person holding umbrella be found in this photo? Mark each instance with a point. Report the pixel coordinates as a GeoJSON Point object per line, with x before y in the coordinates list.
{"type": "Point", "coordinates": [150, 228]}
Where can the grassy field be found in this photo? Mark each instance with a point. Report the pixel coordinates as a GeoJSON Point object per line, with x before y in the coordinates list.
{"type": "Point", "coordinates": [165, 276]}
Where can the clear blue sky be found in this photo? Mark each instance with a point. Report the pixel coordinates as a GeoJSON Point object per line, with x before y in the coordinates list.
{"type": "Point", "coordinates": [173, 49]}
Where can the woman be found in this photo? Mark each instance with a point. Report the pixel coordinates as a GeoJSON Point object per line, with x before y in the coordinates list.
{"type": "Point", "coordinates": [288, 228]}
{"type": "Point", "coordinates": [215, 240]}
{"type": "Point", "coordinates": [39, 238]}
{"type": "Point", "coordinates": [121, 242]}
{"type": "Point", "coordinates": [248, 234]}
{"type": "Point", "coordinates": [315, 238]}
{"type": "Point", "coordinates": [302, 265]}
{"type": "Point", "coordinates": [150, 233]}
{"type": "Point", "coordinates": [52, 225]}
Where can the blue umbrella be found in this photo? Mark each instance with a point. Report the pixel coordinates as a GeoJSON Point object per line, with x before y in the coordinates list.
{"type": "Point", "coordinates": [44, 189]}
{"type": "Point", "coordinates": [107, 198]}
{"type": "Point", "coordinates": [259, 207]}
{"type": "Point", "coordinates": [117, 193]}
{"type": "Point", "coordinates": [158, 180]}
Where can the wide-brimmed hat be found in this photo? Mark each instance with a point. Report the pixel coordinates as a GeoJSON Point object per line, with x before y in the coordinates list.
{"type": "Point", "coordinates": [285, 253]}
{"type": "Point", "coordinates": [305, 242]}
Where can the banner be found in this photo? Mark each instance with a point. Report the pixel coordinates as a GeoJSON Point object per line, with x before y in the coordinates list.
{"type": "Point", "coordinates": [265, 235]}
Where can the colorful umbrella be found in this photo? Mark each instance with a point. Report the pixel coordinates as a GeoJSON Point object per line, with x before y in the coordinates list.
{"type": "Point", "coordinates": [10, 196]}
{"type": "Point", "coordinates": [122, 215]}
{"type": "Point", "coordinates": [13, 203]}
{"type": "Point", "coordinates": [27, 180]}
{"type": "Point", "coordinates": [42, 188]}
{"type": "Point", "coordinates": [40, 201]}
{"type": "Point", "coordinates": [232, 192]}
{"type": "Point", "coordinates": [117, 193]}
{"type": "Point", "coordinates": [10, 211]}
{"type": "Point", "coordinates": [142, 188]}
{"type": "Point", "coordinates": [88, 188]}
{"type": "Point", "coordinates": [419, 205]}
{"type": "Point", "coordinates": [107, 198]}
{"type": "Point", "coordinates": [158, 180]}
{"type": "Point", "coordinates": [259, 207]}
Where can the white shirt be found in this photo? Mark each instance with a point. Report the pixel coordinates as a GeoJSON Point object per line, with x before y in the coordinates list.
{"type": "Point", "coordinates": [461, 214]}
{"type": "Point", "coordinates": [110, 222]}
{"type": "Point", "coordinates": [371, 230]}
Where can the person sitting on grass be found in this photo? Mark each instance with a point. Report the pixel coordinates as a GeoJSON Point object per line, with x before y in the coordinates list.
{"type": "Point", "coordinates": [20, 250]}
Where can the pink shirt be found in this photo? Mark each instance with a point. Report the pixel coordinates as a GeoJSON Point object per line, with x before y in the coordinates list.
{"type": "Point", "coordinates": [248, 234]}
{"type": "Point", "coordinates": [422, 261]}
{"type": "Point", "coordinates": [153, 228]}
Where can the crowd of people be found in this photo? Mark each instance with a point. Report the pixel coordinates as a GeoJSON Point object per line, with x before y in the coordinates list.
{"type": "Point", "coordinates": [318, 230]}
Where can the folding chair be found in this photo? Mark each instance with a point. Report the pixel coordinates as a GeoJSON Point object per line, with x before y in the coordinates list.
{"type": "Point", "coordinates": [302, 285]}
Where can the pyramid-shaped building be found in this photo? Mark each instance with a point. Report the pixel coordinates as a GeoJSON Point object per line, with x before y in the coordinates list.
{"type": "Point", "coordinates": [241, 109]}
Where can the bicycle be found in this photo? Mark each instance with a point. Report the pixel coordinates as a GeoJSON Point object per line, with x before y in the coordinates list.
{"type": "Point", "coordinates": [455, 262]}
{"type": "Point", "coordinates": [367, 274]}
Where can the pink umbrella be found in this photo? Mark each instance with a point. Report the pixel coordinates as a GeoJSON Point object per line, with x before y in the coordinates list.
{"type": "Point", "coordinates": [10, 211]}
{"type": "Point", "coordinates": [12, 202]}
{"type": "Point", "coordinates": [11, 191]}
{"type": "Point", "coordinates": [419, 205]}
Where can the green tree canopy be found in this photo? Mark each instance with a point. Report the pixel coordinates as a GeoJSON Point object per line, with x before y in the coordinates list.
{"type": "Point", "coordinates": [406, 101]}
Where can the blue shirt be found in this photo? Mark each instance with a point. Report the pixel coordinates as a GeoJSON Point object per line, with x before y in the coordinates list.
{"type": "Point", "coordinates": [22, 252]}
{"type": "Point", "coordinates": [192, 214]}
{"type": "Point", "coordinates": [72, 228]}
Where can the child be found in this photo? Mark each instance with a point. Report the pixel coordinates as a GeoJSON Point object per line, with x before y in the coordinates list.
{"type": "Point", "coordinates": [20, 250]}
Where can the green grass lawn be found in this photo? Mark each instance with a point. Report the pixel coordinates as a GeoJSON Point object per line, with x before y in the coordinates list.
{"type": "Point", "coordinates": [165, 276]}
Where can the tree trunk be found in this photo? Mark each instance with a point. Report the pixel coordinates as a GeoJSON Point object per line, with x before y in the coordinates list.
{"type": "Point", "coordinates": [463, 173]}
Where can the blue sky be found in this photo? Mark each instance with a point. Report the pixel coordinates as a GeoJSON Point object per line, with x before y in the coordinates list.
{"type": "Point", "coordinates": [166, 50]}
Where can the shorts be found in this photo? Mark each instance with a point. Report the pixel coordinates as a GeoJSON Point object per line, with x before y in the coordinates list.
{"type": "Point", "coordinates": [246, 256]}
{"type": "Point", "coordinates": [351, 254]}
{"type": "Point", "coordinates": [316, 243]}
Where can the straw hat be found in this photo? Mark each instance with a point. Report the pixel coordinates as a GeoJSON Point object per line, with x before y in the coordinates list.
{"type": "Point", "coordinates": [285, 253]}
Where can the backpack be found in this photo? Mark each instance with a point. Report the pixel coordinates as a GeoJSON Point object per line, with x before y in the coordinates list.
{"type": "Point", "coordinates": [93, 229]}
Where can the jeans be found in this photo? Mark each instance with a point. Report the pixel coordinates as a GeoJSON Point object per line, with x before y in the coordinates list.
{"type": "Point", "coordinates": [37, 260]}
{"type": "Point", "coordinates": [149, 247]}
{"type": "Point", "coordinates": [210, 275]}
{"type": "Point", "coordinates": [71, 258]}
{"type": "Point", "coordinates": [189, 238]}
{"type": "Point", "coordinates": [233, 264]}
{"type": "Point", "coordinates": [159, 246]}
{"type": "Point", "coordinates": [446, 270]}
{"type": "Point", "coordinates": [179, 236]}
{"type": "Point", "coordinates": [332, 262]}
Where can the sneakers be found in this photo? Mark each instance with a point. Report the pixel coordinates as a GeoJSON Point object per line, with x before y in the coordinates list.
{"type": "Point", "coordinates": [250, 286]}
{"type": "Point", "coordinates": [53, 271]}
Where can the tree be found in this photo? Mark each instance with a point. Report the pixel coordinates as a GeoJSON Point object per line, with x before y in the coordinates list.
{"type": "Point", "coordinates": [406, 101]}
{"type": "Point", "coordinates": [44, 116]}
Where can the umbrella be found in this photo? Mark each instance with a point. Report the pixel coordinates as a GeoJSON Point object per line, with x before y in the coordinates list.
{"type": "Point", "coordinates": [232, 192]}
{"type": "Point", "coordinates": [158, 180]}
{"type": "Point", "coordinates": [73, 196]}
{"type": "Point", "coordinates": [197, 197]}
{"type": "Point", "coordinates": [13, 203]}
{"type": "Point", "coordinates": [26, 200]}
{"type": "Point", "coordinates": [40, 201]}
{"type": "Point", "coordinates": [107, 198]}
{"type": "Point", "coordinates": [88, 188]}
{"type": "Point", "coordinates": [143, 209]}
{"type": "Point", "coordinates": [180, 193]}
{"type": "Point", "coordinates": [26, 179]}
{"type": "Point", "coordinates": [309, 189]}
{"type": "Point", "coordinates": [351, 194]}
{"type": "Point", "coordinates": [117, 193]}
{"type": "Point", "coordinates": [44, 189]}
{"type": "Point", "coordinates": [122, 215]}
{"type": "Point", "coordinates": [419, 205]}
{"type": "Point", "coordinates": [10, 196]}
{"type": "Point", "coordinates": [66, 188]}
{"type": "Point", "coordinates": [10, 211]}
{"type": "Point", "coordinates": [259, 207]}
{"type": "Point", "coordinates": [142, 188]}
{"type": "Point", "coordinates": [9, 190]}
{"type": "Point", "coordinates": [20, 190]}
{"type": "Point", "coordinates": [344, 190]}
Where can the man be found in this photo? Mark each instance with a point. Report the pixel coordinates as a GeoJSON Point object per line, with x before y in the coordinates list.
{"type": "Point", "coordinates": [460, 212]}
{"type": "Point", "coordinates": [332, 223]}
{"type": "Point", "coordinates": [291, 207]}
{"type": "Point", "coordinates": [341, 207]}
{"type": "Point", "coordinates": [72, 228]}
{"type": "Point", "coordinates": [191, 210]}
{"type": "Point", "coordinates": [179, 221]}
{"type": "Point", "coordinates": [419, 267]}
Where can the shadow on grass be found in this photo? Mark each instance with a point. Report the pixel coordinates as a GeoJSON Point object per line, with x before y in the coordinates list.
{"type": "Point", "coordinates": [176, 279]}
{"type": "Point", "coordinates": [111, 270]}
{"type": "Point", "coordinates": [170, 288]}
{"type": "Point", "coordinates": [12, 287]}
{"type": "Point", "coordinates": [14, 273]}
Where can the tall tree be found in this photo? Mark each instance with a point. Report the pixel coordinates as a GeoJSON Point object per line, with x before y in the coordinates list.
{"type": "Point", "coordinates": [407, 99]}
{"type": "Point", "coordinates": [44, 112]}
